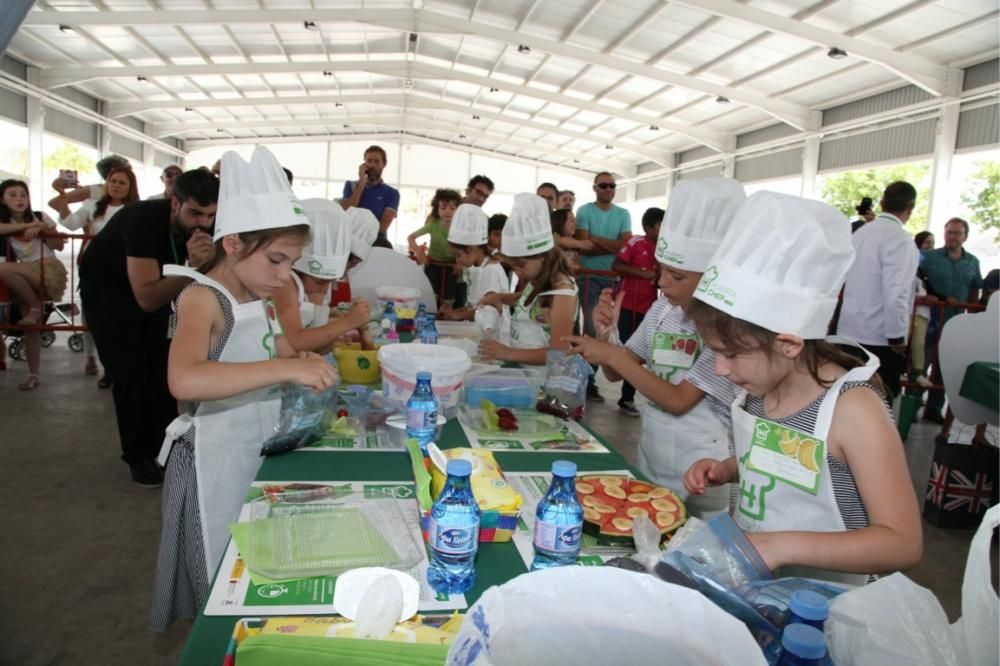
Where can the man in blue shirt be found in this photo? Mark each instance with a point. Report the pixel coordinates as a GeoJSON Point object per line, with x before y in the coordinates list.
{"type": "Point", "coordinates": [953, 275]}
{"type": "Point", "coordinates": [608, 227]}
{"type": "Point", "coordinates": [371, 192]}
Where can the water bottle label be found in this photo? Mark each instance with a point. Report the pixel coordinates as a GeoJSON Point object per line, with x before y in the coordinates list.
{"type": "Point", "coordinates": [452, 540]}
{"type": "Point", "coordinates": [557, 538]}
{"type": "Point", "coordinates": [418, 419]}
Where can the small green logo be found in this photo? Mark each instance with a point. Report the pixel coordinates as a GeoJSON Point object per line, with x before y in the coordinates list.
{"type": "Point", "coordinates": [661, 245]}
{"type": "Point", "coordinates": [364, 363]}
{"type": "Point", "coordinates": [711, 275]}
{"type": "Point", "coordinates": [315, 266]}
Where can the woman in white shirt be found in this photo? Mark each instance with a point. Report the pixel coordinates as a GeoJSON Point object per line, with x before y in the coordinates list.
{"type": "Point", "coordinates": [36, 270]}
{"type": "Point", "coordinates": [119, 189]}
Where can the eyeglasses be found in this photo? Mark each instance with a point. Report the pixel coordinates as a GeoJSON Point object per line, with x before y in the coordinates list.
{"type": "Point", "coordinates": [485, 195]}
{"type": "Point", "coordinates": [607, 186]}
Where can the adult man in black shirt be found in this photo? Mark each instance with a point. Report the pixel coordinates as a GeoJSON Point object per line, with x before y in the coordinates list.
{"type": "Point", "coordinates": [126, 300]}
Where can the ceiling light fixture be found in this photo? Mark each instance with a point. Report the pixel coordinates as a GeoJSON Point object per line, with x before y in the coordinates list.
{"type": "Point", "coordinates": [338, 104]}
{"type": "Point", "coordinates": [67, 29]}
{"type": "Point", "coordinates": [836, 53]}
{"type": "Point", "coordinates": [476, 118]}
{"type": "Point", "coordinates": [309, 25]}
{"type": "Point", "coordinates": [346, 126]}
{"type": "Point", "coordinates": [141, 78]}
{"type": "Point", "coordinates": [188, 108]}
{"type": "Point", "coordinates": [407, 83]}
{"type": "Point", "coordinates": [609, 147]}
{"type": "Point", "coordinates": [327, 72]}
{"type": "Point", "coordinates": [219, 129]}
{"type": "Point", "coordinates": [461, 136]}
{"type": "Point", "coordinates": [654, 128]}
{"type": "Point", "coordinates": [722, 100]}
{"type": "Point", "coordinates": [492, 90]}
{"type": "Point", "coordinates": [523, 48]}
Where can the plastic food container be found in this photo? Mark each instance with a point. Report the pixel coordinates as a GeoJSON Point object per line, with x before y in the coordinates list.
{"type": "Point", "coordinates": [355, 365]}
{"type": "Point", "coordinates": [304, 539]}
{"type": "Point", "coordinates": [401, 363]}
{"type": "Point", "coordinates": [516, 388]}
{"type": "Point", "coordinates": [405, 300]}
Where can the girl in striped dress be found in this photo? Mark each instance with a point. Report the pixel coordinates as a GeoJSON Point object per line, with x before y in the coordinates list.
{"type": "Point", "coordinates": [824, 489]}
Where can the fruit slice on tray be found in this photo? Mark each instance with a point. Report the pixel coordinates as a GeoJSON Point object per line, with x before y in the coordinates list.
{"type": "Point", "coordinates": [611, 503]}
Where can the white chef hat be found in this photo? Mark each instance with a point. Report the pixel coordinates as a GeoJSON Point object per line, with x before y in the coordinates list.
{"type": "Point", "coordinates": [698, 216]}
{"type": "Point", "coordinates": [781, 265]}
{"type": "Point", "coordinates": [470, 226]}
{"type": "Point", "coordinates": [363, 228]}
{"type": "Point", "coordinates": [326, 256]}
{"type": "Point", "coordinates": [255, 195]}
{"type": "Point", "coordinates": [528, 230]}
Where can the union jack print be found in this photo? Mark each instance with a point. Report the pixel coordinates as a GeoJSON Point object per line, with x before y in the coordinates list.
{"type": "Point", "coordinates": [973, 494]}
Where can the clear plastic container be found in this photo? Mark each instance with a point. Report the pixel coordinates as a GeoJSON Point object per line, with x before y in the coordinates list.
{"type": "Point", "coordinates": [294, 539]}
{"type": "Point", "coordinates": [516, 388]}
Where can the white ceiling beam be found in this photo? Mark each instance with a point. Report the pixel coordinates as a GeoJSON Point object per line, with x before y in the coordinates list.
{"type": "Point", "coordinates": [710, 138]}
{"type": "Point", "coordinates": [932, 77]}
{"type": "Point", "coordinates": [587, 15]}
{"type": "Point", "coordinates": [422, 20]}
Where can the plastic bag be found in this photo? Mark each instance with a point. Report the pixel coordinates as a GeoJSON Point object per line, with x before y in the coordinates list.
{"type": "Point", "coordinates": [723, 550]}
{"type": "Point", "coordinates": [895, 621]}
{"type": "Point", "coordinates": [305, 415]}
{"type": "Point", "coordinates": [598, 615]}
{"type": "Point", "coordinates": [565, 385]}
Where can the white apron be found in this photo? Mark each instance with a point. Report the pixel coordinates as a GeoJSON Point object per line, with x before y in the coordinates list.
{"type": "Point", "coordinates": [312, 315]}
{"type": "Point", "coordinates": [527, 331]}
{"type": "Point", "coordinates": [670, 444]}
{"type": "Point", "coordinates": [778, 492]}
{"type": "Point", "coordinates": [229, 432]}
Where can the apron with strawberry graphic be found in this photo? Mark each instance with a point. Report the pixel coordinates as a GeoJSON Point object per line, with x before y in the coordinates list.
{"type": "Point", "coordinates": [670, 444]}
{"type": "Point", "coordinates": [785, 482]}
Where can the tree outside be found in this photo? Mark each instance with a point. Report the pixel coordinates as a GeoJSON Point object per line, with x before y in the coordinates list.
{"type": "Point", "coordinates": [982, 197]}
{"type": "Point", "coordinates": [69, 156]}
{"type": "Point", "coordinates": [844, 191]}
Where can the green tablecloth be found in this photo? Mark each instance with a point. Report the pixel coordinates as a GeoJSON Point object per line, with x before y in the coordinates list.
{"type": "Point", "coordinates": [496, 563]}
{"type": "Point", "coordinates": [981, 384]}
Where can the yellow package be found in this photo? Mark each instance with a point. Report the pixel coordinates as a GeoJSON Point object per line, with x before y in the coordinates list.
{"type": "Point", "coordinates": [410, 631]}
{"type": "Point", "coordinates": [488, 484]}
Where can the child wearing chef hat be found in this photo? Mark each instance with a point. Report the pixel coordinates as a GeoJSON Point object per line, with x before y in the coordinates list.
{"type": "Point", "coordinates": [362, 226]}
{"type": "Point", "coordinates": [824, 486]}
{"type": "Point", "coordinates": [468, 238]}
{"type": "Point", "coordinates": [303, 304]}
{"type": "Point", "coordinates": [684, 407]}
{"type": "Point", "coordinates": [226, 358]}
{"type": "Point", "coordinates": [544, 310]}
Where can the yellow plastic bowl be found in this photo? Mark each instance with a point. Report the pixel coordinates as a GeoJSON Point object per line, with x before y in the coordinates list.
{"type": "Point", "coordinates": [357, 366]}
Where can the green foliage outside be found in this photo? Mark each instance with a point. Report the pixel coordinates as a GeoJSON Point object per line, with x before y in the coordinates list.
{"type": "Point", "coordinates": [69, 156]}
{"type": "Point", "coordinates": [982, 197]}
{"type": "Point", "coordinates": [844, 191]}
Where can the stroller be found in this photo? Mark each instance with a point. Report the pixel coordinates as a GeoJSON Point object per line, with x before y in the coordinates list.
{"type": "Point", "coordinates": [58, 314]}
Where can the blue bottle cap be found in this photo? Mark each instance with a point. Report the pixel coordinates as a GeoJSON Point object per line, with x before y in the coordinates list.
{"type": "Point", "coordinates": [564, 468]}
{"type": "Point", "coordinates": [423, 376]}
{"type": "Point", "coordinates": [809, 605]}
{"type": "Point", "coordinates": [459, 468]}
{"type": "Point", "coordinates": [804, 641]}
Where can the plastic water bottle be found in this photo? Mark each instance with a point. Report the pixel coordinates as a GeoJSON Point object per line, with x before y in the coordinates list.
{"type": "Point", "coordinates": [802, 645]}
{"type": "Point", "coordinates": [388, 317]}
{"type": "Point", "coordinates": [453, 533]}
{"type": "Point", "coordinates": [422, 412]}
{"type": "Point", "coordinates": [558, 520]}
{"type": "Point", "coordinates": [808, 607]}
{"type": "Point", "coordinates": [429, 336]}
{"type": "Point", "coordinates": [419, 320]}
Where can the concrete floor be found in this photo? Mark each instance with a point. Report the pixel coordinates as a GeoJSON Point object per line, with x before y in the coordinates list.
{"type": "Point", "coordinates": [81, 538]}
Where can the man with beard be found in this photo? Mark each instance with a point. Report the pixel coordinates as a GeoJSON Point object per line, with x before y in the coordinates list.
{"type": "Point", "coordinates": [127, 305]}
{"type": "Point", "coordinates": [371, 192]}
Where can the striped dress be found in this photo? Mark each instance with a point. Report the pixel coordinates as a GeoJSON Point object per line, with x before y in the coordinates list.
{"type": "Point", "coordinates": [181, 582]}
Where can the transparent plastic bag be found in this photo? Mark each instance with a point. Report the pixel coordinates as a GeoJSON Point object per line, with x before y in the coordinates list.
{"type": "Point", "coordinates": [723, 551]}
{"type": "Point", "coordinates": [565, 388]}
{"type": "Point", "coordinates": [305, 416]}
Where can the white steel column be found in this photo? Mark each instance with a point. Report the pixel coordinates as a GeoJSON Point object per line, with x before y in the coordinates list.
{"type": "Point", "coordinates": [942, 199]}
{"type": "Point", "coordinates": [36, 155]}
{"type": "Point", "coordinates": [810, 167]}
{"type": "Point", "coordinates": [671, 179]}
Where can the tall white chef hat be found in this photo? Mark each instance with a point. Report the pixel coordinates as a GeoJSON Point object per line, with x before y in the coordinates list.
{"type": "Point", "coordinates": [363, 228]}
{"type": "Point", "coordinates": [470, 226]}
{"type": "Point", "coordinates": [698, 215]}
{"type": "Point", "coordinates": [528, 230]}
{"type": "Point", "coordinates": [255, 195]}
{"type": "Point", "coordinates": [326, 256]}
{"type": "Point", "coordinates": [781, 265]}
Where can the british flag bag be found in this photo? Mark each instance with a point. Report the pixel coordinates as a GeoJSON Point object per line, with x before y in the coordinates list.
{"type": "Point", "coordinates": [962, 485]}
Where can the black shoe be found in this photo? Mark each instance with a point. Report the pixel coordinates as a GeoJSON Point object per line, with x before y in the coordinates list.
{"type": "Point", "coordinates": [932, 417]}
{"type": "Point", "coordinates": [104, 382]}
{"type": "Point", "coordinates": [594, 394]}
{"type": "Point", "coordinates": [628, 408]}
{"type": "Point", "coordinates": [146, 474]}
{"type": "Point", "coordinates": [941, 439]}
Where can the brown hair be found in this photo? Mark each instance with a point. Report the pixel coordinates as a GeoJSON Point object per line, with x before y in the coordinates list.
{"type": "Point", "coordinates": [255, 240]}
{"type": "Point", "coordinates": [105, 200]}
{"type": "Point", "coordinates": [554, 264]}
{"type": "Point", "coordinates": [441, 196]}
{"type": "Point", "coordinates": [741, 336]}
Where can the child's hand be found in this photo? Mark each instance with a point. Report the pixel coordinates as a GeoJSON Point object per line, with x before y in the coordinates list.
{"type": "Point", "coordinates": [358, 315]}
{"type": "Point", "coordinates": [606, 313]}
{"type": "Point", "coordinates": [706, 472]}
{"type": "Point", "coordinates": [491, 349]}
{"type": "Point", "coordinates": [596, 352]}
{"type": "Point", "coordinates": [311, 370]}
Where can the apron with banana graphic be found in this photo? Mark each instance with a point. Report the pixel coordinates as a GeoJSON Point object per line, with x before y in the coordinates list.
{"type": "Point", "coordinates": [785, 483]}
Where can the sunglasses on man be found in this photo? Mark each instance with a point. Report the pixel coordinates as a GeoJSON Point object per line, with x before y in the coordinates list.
{"type": "Point", "coordinates": [607, 186]}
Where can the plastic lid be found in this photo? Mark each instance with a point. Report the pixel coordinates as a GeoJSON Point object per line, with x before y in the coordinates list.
{"type": "Point", "coordinates": [459, 467]}
{"type": "Point", "coordinates": [809, 605]}
{"type": "Point", "coordinates": [804, 641]}
{"type": "Point", "coordinates": [564, 468]}
{"type": "Point", "coordinates": [357, 388]}
{"type": "Point", "coordinates": [423, 376]}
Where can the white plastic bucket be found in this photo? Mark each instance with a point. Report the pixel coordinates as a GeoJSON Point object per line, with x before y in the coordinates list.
{"type": "Point", "coordinates": [401, 363]}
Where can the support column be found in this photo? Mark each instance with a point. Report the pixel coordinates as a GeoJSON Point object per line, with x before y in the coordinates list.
{"type": "Point", "coordinates": [810, 167]}
{"type": "Point", "coordinates": [671, 179]}
{"type": "Point", "coordinates": [40, 191]}
{"type": "Point", "coordinates": [942, 202]}
{"type": "Point", "coordinates": [729, 166]}
{"type": "Point", "coordinates": [151, 174]}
